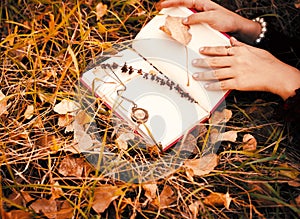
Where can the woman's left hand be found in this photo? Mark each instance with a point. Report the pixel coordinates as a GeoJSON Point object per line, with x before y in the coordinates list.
{"type": "Point", "coordinates": [246, 68]}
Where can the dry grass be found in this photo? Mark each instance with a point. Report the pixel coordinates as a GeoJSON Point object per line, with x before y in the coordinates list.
{"type": "Point", "coordinates": [45, 46]}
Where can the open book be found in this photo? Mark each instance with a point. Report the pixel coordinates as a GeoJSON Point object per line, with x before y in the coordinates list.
{"type": "Point", "coordinates": [148, 83]}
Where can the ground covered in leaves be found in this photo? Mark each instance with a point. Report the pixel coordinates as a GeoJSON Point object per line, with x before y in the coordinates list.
{"type": "Point", "coordinates": [45, 46]}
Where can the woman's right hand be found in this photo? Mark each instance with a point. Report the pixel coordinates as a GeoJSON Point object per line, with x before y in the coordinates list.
{"type": "Point", "coordinates": [217, 17]}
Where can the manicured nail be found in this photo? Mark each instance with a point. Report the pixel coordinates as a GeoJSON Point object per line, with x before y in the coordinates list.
{"type": "Point", "coordinates": [194, 62]}
{"type": "Point", "coordinates": [201, 49]}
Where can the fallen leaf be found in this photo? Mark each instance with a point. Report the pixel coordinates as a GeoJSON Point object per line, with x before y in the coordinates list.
{"type": "Point", "coordinates": [220, 116]}
{"type": "Point", "coordinates": [65, 120]}
{"type": "Point", "coordinates": [101, 10]}
{"type": "Point", "coordinates": [218, 199]}
{"type": "Point", "coordinates": [17, 214]}
{"type": "Point", "coordinates": [176, 29]}
{"type": "Point", "coordinates": [56, 191]}
{"type": "Point", "coordinates": [65, 210]}
{"type": "Point", "coordinates": [122, 140]}
{"type": "Point", "coordinates": [3, 103]}
{"type": "Point", "coordinates": [66, 106]}
{"type": "Point", "coordinates": [288, 171]}
{"type": "Point", "coordinates": [294, 183]}
{"type": "Point", "coordinates": [201, 166]}
{"type": "Point", "coordinates": [190, 143]}
{"type": "Point", "coordinates": [81, 137]}
{"type": "Point", "coordinates": [166, 197]}
{"type": "Point", "coordinates": [250, 143]}
{"type": "Point", "coordinates": [297, 4]}
{"type": "Point", "coordinates": [194, 208]}
{"type": "Point", "coordinates": [47, 207]}
{"type": "Point", "coordinates": [150, 190]}
{"type": "Point", "coordinates": [83, 118]}
{"type": "Point", "coordinates": [70, 166]}
{"type": "Point", "coordinates": [29, 112]}
{"type": "Point", "coordinates": [215, 136]}
{"type": "Point", "coordinates": [103, 196]}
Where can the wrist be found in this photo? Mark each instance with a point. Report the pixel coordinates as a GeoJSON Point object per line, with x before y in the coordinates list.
{"type": "Point", "coordinates": [248, 30]}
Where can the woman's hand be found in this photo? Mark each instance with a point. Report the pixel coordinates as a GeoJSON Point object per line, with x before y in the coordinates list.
{"type": "Point", "coordinates": [246, 68]}
{"type": "Point", "coordinates": [217, 17]}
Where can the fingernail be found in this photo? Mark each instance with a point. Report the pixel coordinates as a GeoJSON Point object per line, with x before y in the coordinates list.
{"type": "Point", "coordinates": [185, 20]}
{"type": "Point", "coordinates": [201, 49]}
{"type": "Point", "coordinates": [196, 75]}
{"type": "Point", "coordinates": [206, 86]}
{"type": "Point", "coordinates": [194, 62]}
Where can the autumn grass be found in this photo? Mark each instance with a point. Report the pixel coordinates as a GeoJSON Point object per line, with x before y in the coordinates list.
{"type": "Point", "coordinates": [45, 46]}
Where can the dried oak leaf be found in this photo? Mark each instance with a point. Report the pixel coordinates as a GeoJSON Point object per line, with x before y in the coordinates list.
{"type": "Point", "coordinates": [104, 195]}
{"type": "Point", "coordinates": [29, 112]}
{"type": "Point", "coordinates": [218, 199]}
{"type": "Point", "coordinates": [176, 29]}
{"type": "Point", "coordinates": [250, 143]}
{"type": "Point", "coordinates": [201, 166]}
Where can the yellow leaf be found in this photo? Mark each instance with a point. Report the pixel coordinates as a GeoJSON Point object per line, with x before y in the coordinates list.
{"type": "Point", "coordinates": [288, 171]}
{"type": "Point", "coordinates": [201, 166]}
{"type": "Point", "coordinates": [101, 28]}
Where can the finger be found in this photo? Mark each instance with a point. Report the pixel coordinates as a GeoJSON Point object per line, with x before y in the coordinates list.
{"type": "Point", "coordinates": [174, 3]}
{"type": "Point", "coordinates": [235, 42]}
{"type": "Point", "coordinates": [221, 85]}
{"type": "Point", "coordinates": [201, 17]}
{"type": "Point", "coordinates": [217, 51]}
{"type": "Point", "coordinates": [218, 74]}
{"type": "Point", "coordinates": [214, 62]}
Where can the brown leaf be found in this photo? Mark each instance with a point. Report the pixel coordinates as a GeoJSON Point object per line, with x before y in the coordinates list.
{"type": "Point", "coordinates": [3, 103]}
{"type": "Point", "coordinates": [201, 166]}
{"type": "Point", "coordinates": [70, 166]}
{"type": "Point", "coordinates": [103, 196]}
{"type": "Point", "coordinates": [297, 200]}
{"type": "Point", "coordinates": [150, 190]}
{"type": "Point", "coordinates": [17, 214]}
{"type": "Point", "coordinates": [215, 136]}
{"type": "Point", "coordinates": [294, 183]}
{"type": "Point", "coordinates": [56, 191]}
{"type": "Point", "coordinates": [177, 30]}
{"type": "Point", "coordinates": [166, 197]}
{"type": "Point", "coordinates": [29, 112]}
{"type": "Point", "coordinates": [65, 120]}
{"type": "Point", "coordinates": [47, 207]}
{"type": "Point", "coordinates": [65, 210]}
{"type": "Point", "coordinates": [250, 143]}
{"type": "Point", "coordinates": [101, 10]}
{"type": "Point", "coordinates": [66, 106]}
{"type": "Point", "coordinates": [220, 117]}
{"type": "Point", "coordinates": [190, 143]}
{"type": "Point", "coordinates": [194, 208]}
{"type": "Point", "coordinates": [218, 199]}
{"type": "Point", "coordinates": [122, 140]}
